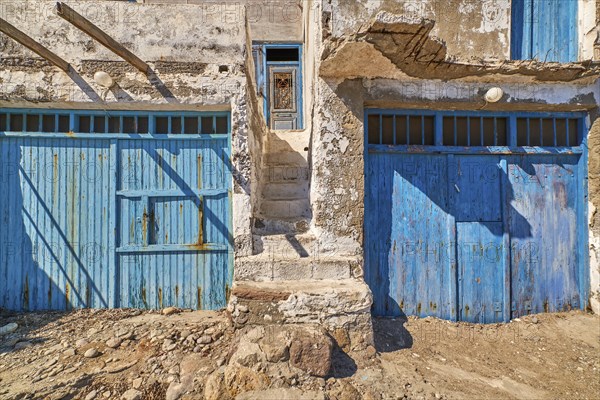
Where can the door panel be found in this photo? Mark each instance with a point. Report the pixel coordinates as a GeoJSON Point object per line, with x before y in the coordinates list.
{"type": "Point", "coordinates": [283, 96]}
{"type": "Point", "coordinates": [174, 206]}
{"type": "Point", "coordinates": [542, 221]}
{"type": "Point", "coordinates": [411, 247]}
{"type": "Point", "coordinates": [482, 266]}
{"type": "Point", "coordinates": [475, 188]}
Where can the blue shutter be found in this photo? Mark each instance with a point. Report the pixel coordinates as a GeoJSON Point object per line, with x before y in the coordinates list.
{"type": "Point", "coordinates": [545, 30]}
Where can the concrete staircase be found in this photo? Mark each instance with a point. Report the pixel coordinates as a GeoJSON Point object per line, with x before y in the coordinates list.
{"type": "Point", "coordinates": [285, 202]}
{"type": "Point", "coordinates": [284, 247]}
{"type": "Point", "coordinates": [290, 279]}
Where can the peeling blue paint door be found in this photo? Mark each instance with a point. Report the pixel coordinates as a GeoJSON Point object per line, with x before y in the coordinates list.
{"type": "Point", "coordinates": [173, 207]}
{"type": "Point", "coordinates": [545, 30]}
{"type": "Point", "coordinates": [475, 233]}
{"type": "Point", "coordinates": [119, 209]}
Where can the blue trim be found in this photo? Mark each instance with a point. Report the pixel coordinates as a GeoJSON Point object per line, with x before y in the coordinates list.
{"type": "Point", "coordinates": [388, 148]}
{"type": "Point", "coordinates": [511, 132]}
{"type": "Point", "coordinates": [583, 255]}
{"type": "Point", "coordinates": [75, 115]}
{"type": "Point", "coordinates": [544, 30]}
{"type": "Point", "coordinates": [262, 47]}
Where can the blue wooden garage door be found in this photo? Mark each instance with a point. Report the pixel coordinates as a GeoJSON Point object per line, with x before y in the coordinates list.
{"type": "Point", "coordinates": [475, 217]}
{"type": "Point", "coordinates": [114, 209]}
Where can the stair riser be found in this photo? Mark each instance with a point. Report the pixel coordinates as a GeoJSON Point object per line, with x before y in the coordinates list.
{"type": "Point", "coordinates": [289, 158]}
{"type": "Point", "coordinates": [278, 270]}
{"type": "Point", "coordinates": [285, 208]}
{"type": "Point", "coordinates": [282, 246]}
{"type": "Point", "coordinates": [269, 226]}
{"type": "Point", "coordinates": [276, 191]}
{"type": "Point", "coordinates": [285, 174]}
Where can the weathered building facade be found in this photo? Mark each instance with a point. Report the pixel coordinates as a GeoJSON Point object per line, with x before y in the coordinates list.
{"type": "Point", "coordinates": [304, 160]}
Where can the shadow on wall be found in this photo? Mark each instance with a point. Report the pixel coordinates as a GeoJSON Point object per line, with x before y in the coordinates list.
{"type": "Point", "coordinates": [22, 281]}
{"type": "Point", "coordinates": [38, 264]}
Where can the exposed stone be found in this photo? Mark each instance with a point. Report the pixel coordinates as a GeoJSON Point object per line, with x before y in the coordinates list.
{"type": "Point", "coordinates": [23, 345]}
{"type": "Point", "coordinates": [91, 353]}
{"type": "Point", "coordinates": [170, 310]}
{"type": "Point", "coordinates": [69, 352]}
{"type": "Point", "coordinates": [205, 339]}
{"type": "Point", "coordinates": [247, 354]}
{"type": "Point", "coordinates": [91, 395]}
{"type": "Point", "coordinates": [8, 328]}
{"type": "Point", "coordinates": [114, 343]}
{"type": "Point", "coordinates": [228, 382]}
{"type": "Point", "coordinates": [342, 338]}
{"type": "Point", "coordinates": [310, 351]}
{"type": "Point", "coordinates": [275, 344]}
{"type": "Point", "coordinates": [132, 394]}
{"type": "Point", "coordinates": [344, 390]}
{"type": "Point", "coordinates": [81, 343]}
{"type": "Point", "coordinates": [281, 394]}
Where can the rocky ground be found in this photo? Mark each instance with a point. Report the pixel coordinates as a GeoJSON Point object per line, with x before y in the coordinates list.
{"type": "Point", "coordinates": [129, 354]}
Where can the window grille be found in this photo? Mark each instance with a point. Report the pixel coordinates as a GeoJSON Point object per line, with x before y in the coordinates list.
{"type": "Point", "coordinates": [114, 122]}
{"type": "Point", "coordinates": [471, 129]}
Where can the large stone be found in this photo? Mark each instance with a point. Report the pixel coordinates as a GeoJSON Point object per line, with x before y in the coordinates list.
{"type": "Point", "coordinates": [228, 382]}
{"type": "Point", "coordinates": [310, 351]}
{"type": "Point", "coordinates": [247, 354]}
{"type": "Point", "coordinates": [275, 344]}
{"type": "Point", "coordinates": [241, 379]}
{"type": "Point", "coordinates": [214, 388]}
{"type": "Point", "coordinates": [281, 394]}
{"type": "Point", "coordinates": [344, 390]}
{"type": "Point", "coordinates": [132, 394]}
{"type": "Point", "coordinates": [8, 328]}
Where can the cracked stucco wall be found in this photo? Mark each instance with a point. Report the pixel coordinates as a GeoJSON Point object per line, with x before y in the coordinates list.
{"type": "Point", "coordinates": [472, 29]}
{"type": "Point", "coordinates": [198, 60]}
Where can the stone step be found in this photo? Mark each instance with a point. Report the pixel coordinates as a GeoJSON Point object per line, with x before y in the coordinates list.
{"type": "Point", "coordinates": [285, 190]}
{"type": "Point", "coordinates": [266, 267]}
{"type": "Point", "coordinates": [285, 208]}
{"type": "Point", "coordinates": [288, 141]}
{"type": "Point", "coordinates": [285, 173]}
{"type": "Point", "coordinates": [341, 306]}
{"type": "Point", "coordinates": [293, 246]}
{"type": "Point", "coordinates": [272, 226]}
{"type": "Point", "coordinates": [289, 158]}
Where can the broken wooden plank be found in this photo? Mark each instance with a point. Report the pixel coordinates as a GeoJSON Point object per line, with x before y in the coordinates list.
{"type": "Point", "coordinates": [32, 45]}
{"type": "Point", "coordinates": [88, 27]}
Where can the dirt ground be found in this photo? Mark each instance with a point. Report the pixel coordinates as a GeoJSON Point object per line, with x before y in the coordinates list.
{"type": "Point", "coordinates": [114, 354]}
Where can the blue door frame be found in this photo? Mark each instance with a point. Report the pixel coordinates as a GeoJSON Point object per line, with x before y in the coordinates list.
{"type": "Point", "coordinates": [139, 219]}
{"type": "Point", "coordinates": [457, 232]}
{"type": "Point", "coordinates": [262, 76]}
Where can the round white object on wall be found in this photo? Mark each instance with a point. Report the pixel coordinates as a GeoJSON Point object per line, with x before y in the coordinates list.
{"type": "Point", "coordinates": [493, 95]}
{"type": "Point", "coordinates": [103, 79]}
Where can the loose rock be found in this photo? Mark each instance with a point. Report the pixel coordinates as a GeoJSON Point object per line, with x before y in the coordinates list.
{"type": "Point", "coordinates": [91, 353]}
{"type": "Point", "coordinates": [132, 394]}
{"type": "Point", "coordinates": [8, 328]}
{"type": "Point", "coordinates": [170, 310]}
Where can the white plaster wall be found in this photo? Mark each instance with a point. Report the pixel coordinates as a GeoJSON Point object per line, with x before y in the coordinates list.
{"type": "Point", "coordinates": [472, 29]}
{"type": "Point", "coordinates": [588, 28]}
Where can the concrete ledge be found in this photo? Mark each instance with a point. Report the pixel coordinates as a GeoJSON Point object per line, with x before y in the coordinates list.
{"type": "Point", "coordinates": [264, 267]}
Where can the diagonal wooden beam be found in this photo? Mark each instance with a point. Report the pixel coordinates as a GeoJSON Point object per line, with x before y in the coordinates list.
{"type": "Point", "coordinates": [32, 45]}
{"type": "Point", "coordinates": [86, 26]}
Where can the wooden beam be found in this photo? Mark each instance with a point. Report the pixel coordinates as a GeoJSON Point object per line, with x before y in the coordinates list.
{"type": "Point", "coordinates": [32, 45]}
{"type": "Point", "coordinates": [86, 26]}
